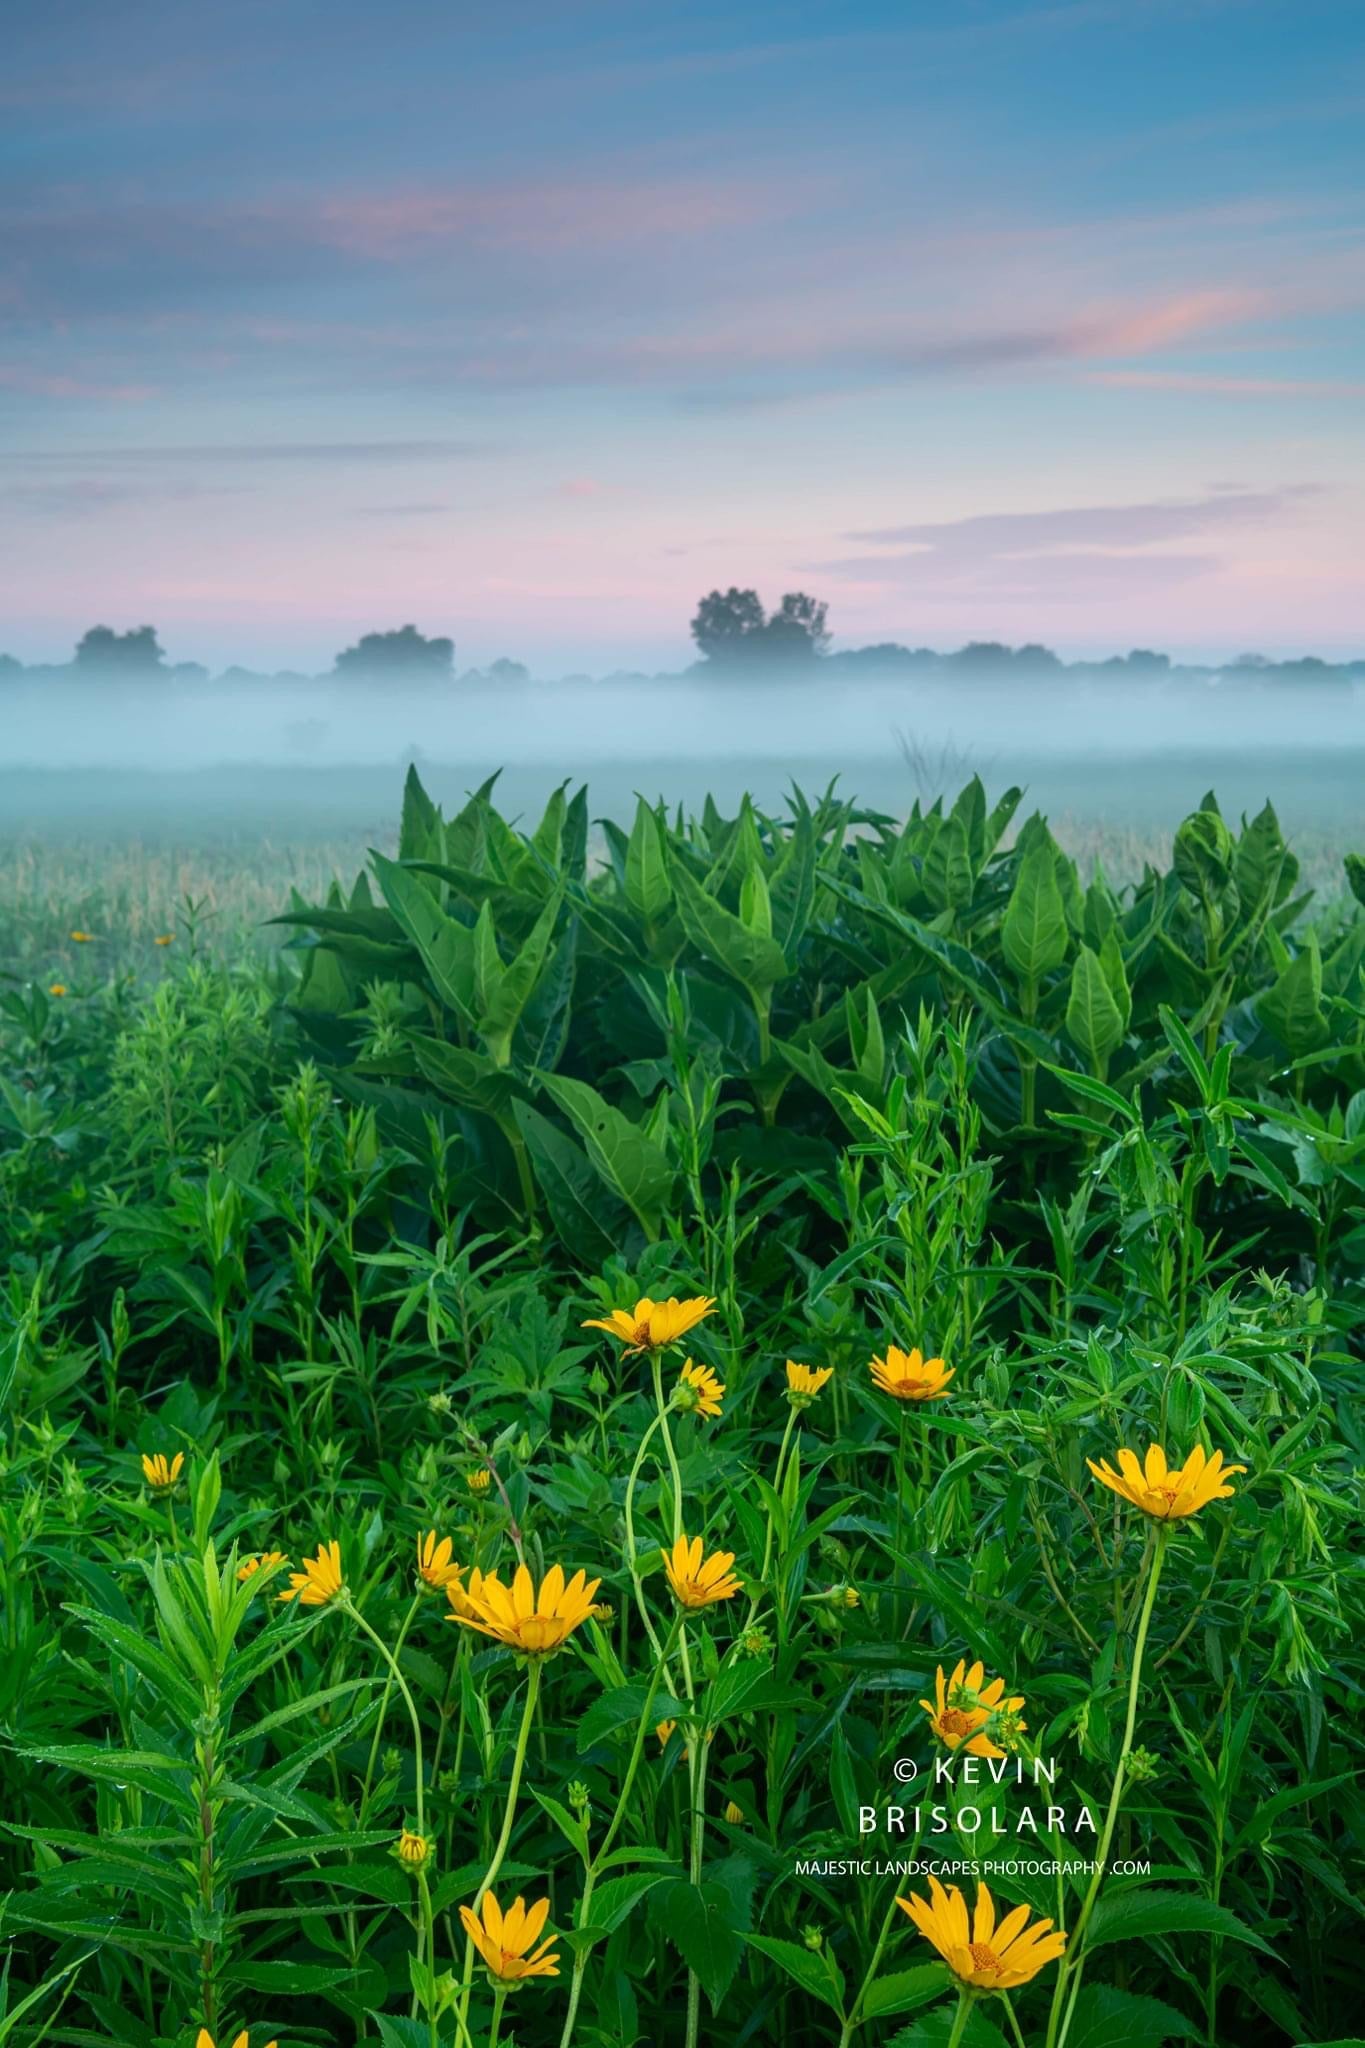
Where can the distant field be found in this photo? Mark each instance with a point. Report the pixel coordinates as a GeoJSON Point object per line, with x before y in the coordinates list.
{"type": "Point", "coordinates": [120, 853]}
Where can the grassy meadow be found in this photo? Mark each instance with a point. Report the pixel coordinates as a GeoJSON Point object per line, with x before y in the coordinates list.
{"type": "Point", "coordinates": [716, 1423]}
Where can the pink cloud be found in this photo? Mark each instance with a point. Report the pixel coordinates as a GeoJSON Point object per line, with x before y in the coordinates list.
{"type": "Point", "coordinates": [42, 384]}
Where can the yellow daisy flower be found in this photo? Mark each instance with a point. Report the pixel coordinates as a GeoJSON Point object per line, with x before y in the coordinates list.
{"type": "Point", "coordinates": [164, 939]}
{"type": "Point", "coordinates": [1166, 1495]}
{"type": "Point", "coordinates": [83, 938]}
{"type": "Point", "coordinates": [964, 1705]}
{"type": "Point", "coordinates": [910, 1376]}
{"type": "Point", "coordinates": [412, 1850]}
{"type": "Point", "coordinates": [734, 1813]}
{"type": "Point", "coordinates": [653, 1325]}
{"type": "Point", "coordinates": [980, 1954]}
{"type": "Point", "coordinates": [161, 1473]}
{"type": "Point", "coordinates": [699, 1390]}
{"type": "Point", "coordinates": [58, 988]}
{"type": "Point", "coordinates": [265, 1562]}
{"type": "Point", "coordinates": [320, 1581]}
{"type": "Point", "coordinates": [204, 2039]}
{"type": "Point", "coordinates": [804, 1382]}
{"type": "Point", "coordinates": [479, 1480]}
{"type": "Point", "coordinates": [434, 1567]}
{"type": "Point", "coordinates": [699, 1582]}
{"type": "Point", "coordinates": [506, 1941]}
{"type": "Point", "coordinates": [535, 1624]}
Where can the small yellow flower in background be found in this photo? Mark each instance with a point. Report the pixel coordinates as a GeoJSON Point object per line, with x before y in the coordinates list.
{"type": "Point", "coordinates": [980, 1954]}
{"type": "Point", "coordinates": [504, 1939]}
{"type": "Point", "coordinates": [320, 1580]}
{"type": "Point", "coordinates": [434, 1567]}
{"type": "Point", "coordinates": [602, 1610]}
{"type": "Point", "coordinates": [83, 938]}
{"type": "Point", "coordinates": [653, 1325]}
{"type": "Point", "coordinates": [664, 1731]}
{"type": "Point", "coordinates": [1166, 1495]}
{"type": "Point", "coordinates": [910, 1376]}
{"type": "Point", "coordinates": [479, 1480]}
{"type": "Point", "coordinates": [964, 1705]}
{"type": "Point", "coordinates": [698, 1581]}
{"type": "Point", "coordinates": [265, 1562]}
{"type": "Point", "coordinates": [804, 1382]}
{"type": "Point", "coordinates": [699, 1390]}
{"type": "Point", "coordinates": [204, 2039]}
{"type": "Point", "coordinates": [164, 939]}
{"type": "Point", "coordinates": [535, 1624]}
{"type": "Point", "coordinates": [162, 1474]}
{"type": "Point", "coordinates": [734, 1813]}
{"type": "Point", "coordinates": [849, 1596]}
{"type": "Point", "coordinates": [58, 988]}
{"type": "Point", "coordinates": [412, 1850]}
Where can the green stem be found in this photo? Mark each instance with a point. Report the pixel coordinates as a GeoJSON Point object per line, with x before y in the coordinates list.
{"type": "Point", "coordinates": [636, 1581]}
{"type": "Point", "coordinates": [1073, 1962]}
{"type": "Point", "coordinates": [965, 2001]}
{"type": "Point", "coordinates": [399, 1640]}
{"type": "Point", "coordinates": [854, 2018]}
{"type": "Point", "coordinates": [387, 1654]}
{"type": "Point", "coordinates": [508, 1816]}
{"type": "Point", "coordinates": [499, 2001]}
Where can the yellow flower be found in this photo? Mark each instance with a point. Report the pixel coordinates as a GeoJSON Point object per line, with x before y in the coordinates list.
{"type": "Point", "coordinates": [164, 939]}
{"type": "Point", "coordinates": [83, 938]}
{"type": "Point", "coordinates": [980, 1954]}
{"type": "Point", "coordinates": [503, 1939]}
{"type": "Point", "coordinates": [602, 1610]}
{"type": "Point", "coordinates": [664, 1731]}
{"type": "Point", "coordinates": [204, 2039]}
{"type": "Point", "coordinates": [413, 1850]}
{"type": "Point", "coordinates": [804, 1382]}
{"type": "Point", "coordinates": [964, 1706]}
{"type": "Point", "coordinates": [695, 1582]}
{"type": "Point", "coordinates": [849, 1596]}
{"type": "Point", "coordinates": [58, 988]}
{"type": "Point", "coordinates": [653, 1325]}
{"type": "Point", "coordinates": [479, 1480]}
{"type": "Point", "coordinates": [909, 1376]}
{"type": "Point", "coordinates": [434, 1567]}
{"type": "Point", "coordinates": [320, 1580]}
{"type": "Point", "coordinates": [267, 1560]}
{"type": "Point", "coordinates": [1168, 1495]}
{"type": "Point", "coordinates": [734, 1813]}
{"type": "Point", "coordinates": [535, 1624]}
{"type": "Point", "coordinates": [460, 1609]}
{"type": "Point", "coordinates": [698, 1389]}
{"type": "Point", "coordinates": [161, 1474]}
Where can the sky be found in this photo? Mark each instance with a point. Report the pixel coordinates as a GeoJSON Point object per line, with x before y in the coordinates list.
{"type": "Point", "coordinates": [531, 324]}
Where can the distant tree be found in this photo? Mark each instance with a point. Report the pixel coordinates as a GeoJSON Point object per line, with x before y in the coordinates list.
{"type": "Point", "coordinates": [505, 671]}
{"type": "Point", "coordinates": [732, 628]}
{"type": "Point", "coordinates": [1143, 662]}
{"type": "Point", "coordinates": [10, 668]}
{"type": "Point", "coordinates": [135, 653]}
{"type": "Point", "coordinates": [406, 654]}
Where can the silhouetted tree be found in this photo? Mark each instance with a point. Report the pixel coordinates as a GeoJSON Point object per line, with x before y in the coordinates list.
{"type": "Point", "coordinates": [135, 653]}
{"type": "Point", "coordinates": [405, 653]}
{"type": "Point", "coordinates": [731, 627]}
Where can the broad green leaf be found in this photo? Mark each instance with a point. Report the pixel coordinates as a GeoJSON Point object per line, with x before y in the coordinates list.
{"type": "Point", "coordinates": [446, 945]}
{"type": "Point", "coordinates": [1094, 1022]}
{"type": "Point", "coordinates": [904, 1990]}
{"type": "Point", "coordinates": [629, 1162]}
{"type": "Point", "coordinates": [699, 1921]}
{"type": "Point", "coordinates": [814, 1970]}
{"type": "Point", "coordinates": [1292, 1009]}
{"type": "Point", "coordinates": [1144, 1912]}
{"type": "Point", "coordinates": [751, 957]}
{"type": "Point", "coordinates": [648, 889]}
{"type": "Point", "coordinates": [1034, 934]}
{"type": "Point", "coordinates": [1107, 2018]}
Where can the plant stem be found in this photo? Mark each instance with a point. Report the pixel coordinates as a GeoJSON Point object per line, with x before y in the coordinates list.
{"type": "Point", "coordinates": [508, 1816]}
{"type": "Point", "coordinates": [1073, 1962]}
{"type": "Point", "coordinates": [854, 2018]}
{"type": "Point", "coordinates": [965, 2001]}
{"type": "Point", "coordinates": [399, 1640]}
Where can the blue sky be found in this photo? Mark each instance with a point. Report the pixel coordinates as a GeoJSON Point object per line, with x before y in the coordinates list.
{"type": "Point", "coordinates": [531, 324]}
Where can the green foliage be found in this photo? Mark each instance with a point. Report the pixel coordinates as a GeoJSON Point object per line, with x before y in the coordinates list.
{"type": "Point", "coordinates": [330, 1227]}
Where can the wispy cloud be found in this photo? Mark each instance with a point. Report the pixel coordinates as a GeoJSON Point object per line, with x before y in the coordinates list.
{"type": "Point", "coordinates": [212, 455]}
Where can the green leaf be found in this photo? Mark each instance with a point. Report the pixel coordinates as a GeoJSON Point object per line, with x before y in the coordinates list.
{"type": "Point", "coordinates": [630, 1163]}
{"type": "Point", "coordinates": [1108, 2018]}
{"type": "Point", "coordinates": [699, 1921]}
{"type": "Point", "coordinates": [614, 1900]}
{"type": "Point", "coordinates": [648, 889]}
{"type": "Point", "coordinates": [1142, 1913]}
{"type": "Point", "coordinates": [753, 958]}
{"type": "Point", "coordinates": [589, 1224]}
{"type": "Point", "coordinates": [814, 1970]}
{"type": "Point", "coordinates": [1094, 1022]}
{"type": "Point", "coordinates": [1034, 933]}
{"type": "Point", "coordinates": [446, 946]}
{"type": "Point", "coordinates": [624, 1705]}
{"type": "Point", "coordinates": [1292, 1009]}
{"type": "Point", "coordinates": [903, 1990]}
{"type": "Point", "coordinates": [934, 2030]}
{"type": "Point", "coordinates": [289, 1980]}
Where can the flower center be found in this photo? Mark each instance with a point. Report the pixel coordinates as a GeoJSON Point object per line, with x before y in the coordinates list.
{"type": "Point", "coordinates": [985, 1958]}
{"type": "Point", "coordinates": [953, 1721]}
